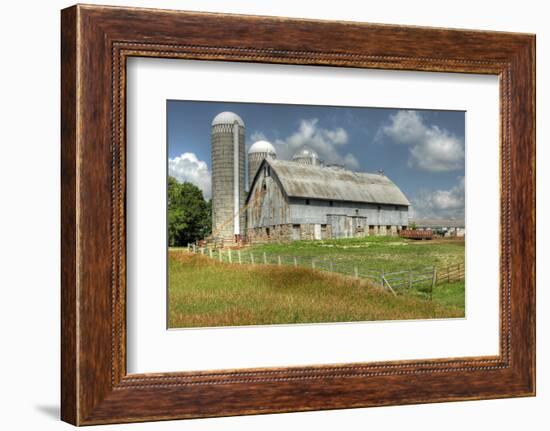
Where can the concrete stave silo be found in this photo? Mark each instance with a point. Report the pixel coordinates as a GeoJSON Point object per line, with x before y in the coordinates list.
{"type": "Point", "coordinates": [257, 152]}
{"type": "Point", "coordinates": [228, 179]}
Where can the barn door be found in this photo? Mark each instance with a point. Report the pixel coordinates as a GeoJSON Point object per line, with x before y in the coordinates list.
{"type": "Point", "coordinates": [316, 231]}
{"type": "Point", "coordinates": [295, 232]}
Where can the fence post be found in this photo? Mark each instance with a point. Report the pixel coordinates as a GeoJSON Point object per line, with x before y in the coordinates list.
{"type": "Point", "coordinates": [202, 251]}
{"type": "Point", "coordinates": [410, 279]}
{"type": "Point", "coordinates": [295, 262]}
{"type": "Point", "coordinates": [356, 272]}
{"type": "Point", "coordinates": [382, 279]}
{"type": "Point", "coordinates": [220, 254]}
{"type": "Point", "coordinates": [210, 253]}
{"type": "Point", "coordinates": [313, 263]}
{"type": "Point", "coordinates": [265, 258]}
{"type": "Point", "coordinates": [448, 274]}
{"type": "Point", "coordinates": [239, 254]}
{"type": "Point", "coordinates": [452, 279]}
{"type": "Point", "coordinates": [331, 266]}
{"type": "Point", "coordinates": [279, 260]}
{"type": "Point", "coordinates": [252, 258]}
{"type": "Point", "coordinates": [188, 248]}
{"type": "Point", "coordinates": [229, 256]}
{"type": "Point", "coordinates": [434, 278]}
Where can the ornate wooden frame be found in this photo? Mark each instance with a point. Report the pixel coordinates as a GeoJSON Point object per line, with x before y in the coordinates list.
{"type": "Point", "coordinates": [95, 43]}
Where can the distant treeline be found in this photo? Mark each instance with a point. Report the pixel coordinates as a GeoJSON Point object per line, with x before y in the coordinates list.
{"type": "Point", "coordinates": [189, 214]}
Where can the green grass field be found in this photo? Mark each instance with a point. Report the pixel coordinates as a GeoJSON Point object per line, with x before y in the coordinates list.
{"type": "Point", "coordinates": [204, 292]}
{"type": "Point", "coordinates": [376, 252]}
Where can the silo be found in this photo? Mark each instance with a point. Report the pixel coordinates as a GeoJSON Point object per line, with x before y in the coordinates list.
{"type": "Point", "coordinates": [256, 153]}
{"type": "Point", "coordinates": [306, 156]}
{"type": "Point", "coordinates": [228, 182]}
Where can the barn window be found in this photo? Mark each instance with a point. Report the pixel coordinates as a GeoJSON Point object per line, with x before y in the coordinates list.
{"type": "Point", "coordinates": [396, 208]}
{"type": "Point", "coordinates": [307, 201]}
{"type": "Point", "coordinates": [356, 212]}
{"type": "Point", "coordinates": [379, 207]}
{"type": "Point", "coordinates": [331, 203]}
{"type": "Point", "coordinates": [264, 186]}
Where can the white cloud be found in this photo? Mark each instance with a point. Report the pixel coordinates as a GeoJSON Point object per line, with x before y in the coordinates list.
{"type": "Point", "coordinates": [440, 204]}
{"type": "Point", "coordinates": [328, 143]}
{"type": "Point", "coordinates": [257, 136]}
{"type": "Point", "coordinates": [431, 148]}
{"type": "Point", "coordinates": [188, 167]}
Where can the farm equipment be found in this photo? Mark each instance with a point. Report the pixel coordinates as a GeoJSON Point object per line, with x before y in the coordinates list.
{"type": "Point", "coordinates": [416, 234]}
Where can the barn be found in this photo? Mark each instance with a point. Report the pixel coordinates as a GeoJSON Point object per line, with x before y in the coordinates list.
{"type": "Point", "coordinates": [305, 200]}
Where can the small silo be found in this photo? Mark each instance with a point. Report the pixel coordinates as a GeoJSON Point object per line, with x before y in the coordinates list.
{"type": "Point", "coordinates": [228, 158]}
{"type": "Point", "coordinates": [259, 151]}
{"type": "Point", "coordinates": [307, 156]}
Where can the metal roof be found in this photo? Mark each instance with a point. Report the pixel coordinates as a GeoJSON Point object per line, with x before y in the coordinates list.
{"type": "Point", "coordinates": [318, 182]}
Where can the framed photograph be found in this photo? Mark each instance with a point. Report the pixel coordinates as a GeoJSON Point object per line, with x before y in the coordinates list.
{"type": "Point", "coordinates": [263, 214]}
{"type": "Point", "coordinates": [310, 236]}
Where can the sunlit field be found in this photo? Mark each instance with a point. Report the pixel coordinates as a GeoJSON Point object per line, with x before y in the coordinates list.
{"type": "Point", "coordinates": [205, 292]}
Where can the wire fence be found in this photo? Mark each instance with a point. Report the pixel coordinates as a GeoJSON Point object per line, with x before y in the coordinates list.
{"type": "Point", "coordinates": [419, 281]}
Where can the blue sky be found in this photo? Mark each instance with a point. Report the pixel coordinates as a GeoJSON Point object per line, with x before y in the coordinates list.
{"type": "Point", "coordinates": [422, 151]}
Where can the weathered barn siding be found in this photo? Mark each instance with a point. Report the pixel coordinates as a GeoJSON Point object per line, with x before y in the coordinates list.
{"type": "Point", "coordinates": [344, 226]}
{"type": "Point", "coordinates": [254, 162]}
{"type": "Point", "coordinates": [267, 204]}
{"type": "Point", "coordinates": [317, 210]}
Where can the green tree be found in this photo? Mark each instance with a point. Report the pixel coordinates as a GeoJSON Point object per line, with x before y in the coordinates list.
{"type": "Point", "coordinates": [189, 214]}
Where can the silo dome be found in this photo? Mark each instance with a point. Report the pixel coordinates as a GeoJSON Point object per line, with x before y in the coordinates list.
{"type": "Point", "coordinates": [306, 152]}
{"type": "Point", "coordinates": [306, 156]}
{"type": "Point", "coordinates": [262, 147]}
{"type": "Point", "coordinates": [227, 117]}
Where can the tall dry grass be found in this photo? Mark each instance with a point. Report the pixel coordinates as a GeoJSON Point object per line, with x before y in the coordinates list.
{"type": "Point", "coordinates": [203, 292]}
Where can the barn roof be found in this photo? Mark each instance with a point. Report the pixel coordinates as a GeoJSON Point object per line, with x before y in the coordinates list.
{"type": "Point", "coordinates": [333, 183]}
